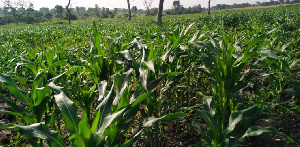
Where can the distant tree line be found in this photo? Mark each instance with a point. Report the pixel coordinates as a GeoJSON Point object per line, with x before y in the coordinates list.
{"type": "Point", "coordinates": [28, 15]}
{"type": "Point", "coordinates": [179, 9]}
{"type": "Point", "coordinates": [23, 11]}
{"type": "Point", "coordinates": [243, 5]}
{"type": "Point", "coordinates": [20, 14]}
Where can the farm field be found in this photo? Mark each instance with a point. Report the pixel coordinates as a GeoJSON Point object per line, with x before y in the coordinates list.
{"type": "Point", "coordinates": [228, 79]}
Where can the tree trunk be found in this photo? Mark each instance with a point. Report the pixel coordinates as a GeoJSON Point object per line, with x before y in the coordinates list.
{"type": "Point", "coordinates": [129, 13]}
{"type": "Point", "coordinates": [69, 12]}
{"type": "Point", "coordinates": [160, 10]}
{"type": "Point", "coordinates": [69, 15]}
{"type": "Point", "coordinates": [148, 12]}
{"type": "Point", "coordinates": [16, 18]}
{"type": "Point", "coordinates": [208, 7]}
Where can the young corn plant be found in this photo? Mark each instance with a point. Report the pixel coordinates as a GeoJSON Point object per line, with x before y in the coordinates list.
{"type": "Point", "coordinates": [28, 106]}
{"type": "Point", "coordinates": [150, 75]}
{"type": "Point", "coordinates": [151, 70]}
{"type": "Point", "coordinates": [92, 68]}
{"type": "Point", "coordinates": [277, 69]}
{"type": "Point", "coordinates": [240, 125]}
{"type": "Point", "coordinates": [112, 116]}
{"type": "Point", "coordinates": [224, 63]}
{"type": "Point", "coordinates": [34, 100]}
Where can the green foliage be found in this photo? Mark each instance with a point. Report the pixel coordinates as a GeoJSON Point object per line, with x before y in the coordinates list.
{"type": "Point", "coordinates": [111, 82]}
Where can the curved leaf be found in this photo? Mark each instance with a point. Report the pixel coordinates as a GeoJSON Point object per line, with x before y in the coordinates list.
{"type": "Point", "coordinates": [41, 131]}
{"type": "Point", "coordinates": [69, 112]}
{"type": "Point", "coordinates": [14, 89]}
{"type": "Point", "coordinates": [71, 120]}
{"type": "Point", "coordinates": [175, 116]}
{"type": "Point", "coordinates": [136, 137]}
{"type": "Point", "coordinates": [256, 131]}
{"type": "Point", "coordinates": [140, 99]}
{"type": "Point", "coordinates": [99, 136]}
{"type": "Point", "coordinates": [101, 88]}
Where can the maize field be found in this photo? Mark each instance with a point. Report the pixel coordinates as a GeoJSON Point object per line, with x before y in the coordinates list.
{"type": "Point", "coordinates": [227, 79]}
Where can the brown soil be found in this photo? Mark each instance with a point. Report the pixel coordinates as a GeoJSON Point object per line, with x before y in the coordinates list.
{"type": "Point", "coordinates": [181, 133]}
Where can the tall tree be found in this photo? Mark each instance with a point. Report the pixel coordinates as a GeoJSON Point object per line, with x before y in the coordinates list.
{"type": "Point", "coordinates": [134, 9]}
{"type": "Point", "coordinates": [160, 10]}
{"type": "Point", "coordinates": [44, 10]}
{"type": "Point", "coordinates": [281, 1]}
{"type": "Point", "coordinates": [69, 11]}
{"type": "Point", "coordinates": [17, 8]}
{"type": "Point", "coordinates": [147, 4]}
{"type": "Point", "coordinates": [287, 1]}
{"type": "Point", "coordinates": [59, 11]}
{"type": "Point", "coordinates": [115, 10]}
{"type": "Point", "coordinates": [96, 11]}
{"type": "Point", "coordinates": [208, 7]}
{"type": "Point", "coordinates": [48, 16]}
{"type": "Point", "coordinates": [176, 5]}
{"type": "Point", "coordinates": [129, 11]}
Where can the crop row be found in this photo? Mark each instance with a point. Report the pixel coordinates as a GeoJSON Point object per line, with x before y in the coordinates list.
{"type": "Point", "coordinates": [112, 83]}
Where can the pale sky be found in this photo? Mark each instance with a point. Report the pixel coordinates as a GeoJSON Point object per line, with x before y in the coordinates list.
{"type": "Point", "coordinates": [123, 3]}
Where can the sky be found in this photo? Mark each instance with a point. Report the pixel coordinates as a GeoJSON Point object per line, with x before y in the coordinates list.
{"type": "Point", "coordinates": [123, 3]}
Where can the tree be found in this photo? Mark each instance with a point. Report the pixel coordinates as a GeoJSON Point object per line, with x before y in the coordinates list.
{"type": "Point", "coordinates": [129, 11]}
{"type": "Point", "coordinates": [196, 9]}
{"type": "Point", "coordinates": [80, 10]}
{"type": "Point", "coordinates": [115, 10]}
{"type": "Point", "coordinates": [176, 5]}
{"type": "Point", "coordinates": [59, 11]}
{"type": "Point", "coordinates": [6, 14]}
{"type": "Point", "coordinates": [134, 9]}
{"type": "Point", "coordinates": [208, 7]}
{"type": "Point", "coordinates": [38, 15]}
{"type": "Point", "coordinates": [147, 4]}
{"type": "Point", "coordinates": [17, 8]}
{"type": "Point", "coordinates": [153, 11]}
{"type": "Point", "coordinates": [105, 12]}
{"type": "Point", "coordinates": [296, 1]}
{"type": "Point", "coordinates": [97, 10]}
{"type": "Point", "coordinates": [160, 10]}
{"type": "Point", "coordinates": [90, 10]}
{"type": "Point", "coordinates": [44, 9]}
{"type": "Point", "coordinates": [77, 10]}
{"type": "Point", "coordinates": [48, 16]}
{"type": "Point", "coordinates": [69, 11]}
{"type": "Point", "coordinates": [281, 1]}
